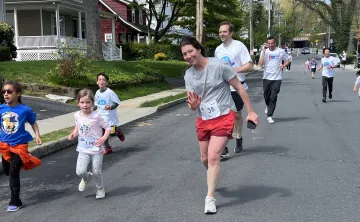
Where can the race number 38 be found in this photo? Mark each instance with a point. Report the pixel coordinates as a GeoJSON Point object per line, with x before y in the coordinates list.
{"type": "Point", "coordinates": [209, 110]}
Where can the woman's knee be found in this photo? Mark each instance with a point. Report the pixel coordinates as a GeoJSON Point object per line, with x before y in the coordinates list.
{"type": "Point", "coordinates": [81, 172]}
{"type": "Point", "coordinates": [213, 158]}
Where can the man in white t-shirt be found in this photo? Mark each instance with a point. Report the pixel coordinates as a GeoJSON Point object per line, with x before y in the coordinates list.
{"type": "Point", "coordinates": [328, 64]}
{"type": "Point", "coordinates": [236, 55]}
{"type": "Point", "coordinates": [272, 57]}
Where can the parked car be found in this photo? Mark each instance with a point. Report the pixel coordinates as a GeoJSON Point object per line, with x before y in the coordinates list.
{"type": "Point", "coordinates": [305, 50]}
{"type": "Point", "coordinates": [337, 58]}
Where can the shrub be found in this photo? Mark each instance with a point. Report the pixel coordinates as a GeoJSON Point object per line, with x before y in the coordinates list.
{"type": "Point", "coordinates": [7, 38]}
{"type": "Point", "coordinates": [135, 51]}
{"type": "Point", "coordinates": [5, 53]}
{"type": "Point", "coordinates": [160, 56]}
{"type": "Point", "coordinates": [72, 66]}
{"type": "Point", "coordinates": [350, 58]}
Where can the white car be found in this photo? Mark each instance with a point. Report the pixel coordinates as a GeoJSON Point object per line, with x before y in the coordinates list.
{"type": "Point", "coordinates": [337, 59]}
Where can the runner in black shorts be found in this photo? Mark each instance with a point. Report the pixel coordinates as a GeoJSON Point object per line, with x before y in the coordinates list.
{"type": "Point", "coordinates": [313, 65]}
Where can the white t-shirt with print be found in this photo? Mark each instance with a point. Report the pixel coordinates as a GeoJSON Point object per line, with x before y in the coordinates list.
{"type": "Point", "coordinates": [236, 55]}
{"type": "Point", "coordinates": [325, 62]}
{"type": "Point", "coordinates": [344, 57]}
{"type": "Point", "coordinates": [273, 60]}
{"type": "Point", "coordinates": [108, 97]}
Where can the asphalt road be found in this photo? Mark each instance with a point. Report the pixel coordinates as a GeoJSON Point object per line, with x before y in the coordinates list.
{"type": "Point", "coordinates": [45, 109]}
{"type": "Point", "coordinates": [305, 167]}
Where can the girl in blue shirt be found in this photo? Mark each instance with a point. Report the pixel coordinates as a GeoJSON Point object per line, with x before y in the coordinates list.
{"type": "Point", "coordinates": [14, 139]}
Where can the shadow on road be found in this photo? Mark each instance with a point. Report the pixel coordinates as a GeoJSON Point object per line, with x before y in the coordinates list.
{"type": "Point", "coordinates": [264, 149]}
{"type": "Point", "coordinates": [123, 191]}
{"type": "Point", "coordinates": [245, 194]}
{"type": "Point", "coordinates": [338, 101]}
{"type": "Point", "coordinates": [290, 119]}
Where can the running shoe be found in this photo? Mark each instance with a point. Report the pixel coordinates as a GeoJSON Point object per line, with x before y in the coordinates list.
{"type": "Point", "coordinates": [100, 193]}
{"type": "Point", "coordinates": [225, 153]}
{"type": "Point", "coordinates": [83, 184]}
{"type": "Point", "coordinates": [330, 95]}
{"type": "Point", "coordinates": [270, 120]}
{"type": "Point", "coordinates": [120, 134]}
{"type": "Point", "coordinates": [324, 100]}
{"type": "Point", "coordinates": [210, 207]}
{"type": "Point", "coordinates": [13, 208]}
{"type": "Point", "coordinates": [108, 150]}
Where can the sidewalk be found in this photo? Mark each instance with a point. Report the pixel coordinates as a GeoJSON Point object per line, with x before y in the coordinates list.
{"type": "Point", "coordinates": [128, 111]}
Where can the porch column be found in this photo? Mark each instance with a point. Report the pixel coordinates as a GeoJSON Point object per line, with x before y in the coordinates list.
{"type": "Point", "coordinates": [113, 30]}
{"type": "Point", "coordinates": [138, 38]}
{"type": "Point", "coordinates": [57, 19]}
{"type": "Point", "coordinates": [79, 26]}
{"type": "Point", "coordinates": [16, 28]}
{"type": "Point", "coordinates": [41, 22]}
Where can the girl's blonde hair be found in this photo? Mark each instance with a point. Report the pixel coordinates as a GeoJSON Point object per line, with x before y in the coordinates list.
{"type": "Point", "coordinates": [86, 92]}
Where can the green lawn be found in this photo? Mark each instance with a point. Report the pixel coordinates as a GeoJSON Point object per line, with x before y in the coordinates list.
{"type": "Point", "coordinates": [34, 71]}
{"type": "Point", "coordinates": [52, 136]}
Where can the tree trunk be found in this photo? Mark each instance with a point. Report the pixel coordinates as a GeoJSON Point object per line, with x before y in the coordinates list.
{"type": "Point", "coordinates": [93, 31]}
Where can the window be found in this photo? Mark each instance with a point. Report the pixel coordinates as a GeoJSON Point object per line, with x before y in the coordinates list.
{"type": "Point", "coordinates": [133, 15]}
{"type": "Point", "coordinates": [76, 28]}
{"type": "Point", "coordinates": [140, 17]}
{"type": "Point", "coordinates": [53, 25]}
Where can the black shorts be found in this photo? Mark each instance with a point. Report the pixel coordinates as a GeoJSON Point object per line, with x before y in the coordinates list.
{"type": "Point", "coordinates": [313, 69]}
{"type": "Point", "coordinates": [237, 100]}
{"type": "Point", "coordinates": [343, 62]}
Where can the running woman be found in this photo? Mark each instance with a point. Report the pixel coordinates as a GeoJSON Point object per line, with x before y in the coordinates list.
{"type": "Point", "coordinates": [15, 139]}
{"type": "Point", "coordinates": [288, 67]}
{"type": "Point", "coordinates": [236, 55]}
{"type": "Point", "coordinates": [327, 65]}
{"type": "Point", "coordinates": [307, 65]}
{"type": "Point", "coordinates": [207, 83]}
{"type": "Point", "coordinates": [89, 127]}
{"type": "Point", "coordinates": [313, 65]}
{"type": "Point", "coordinates": [106, 102]}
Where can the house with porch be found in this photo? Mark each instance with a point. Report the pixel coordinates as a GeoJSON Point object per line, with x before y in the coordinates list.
{"type": "Point", "coordinates": [40, 25]}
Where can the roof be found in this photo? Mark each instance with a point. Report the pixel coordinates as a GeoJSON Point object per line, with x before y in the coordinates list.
{"type": "Point", "coordinates": [137, 27]}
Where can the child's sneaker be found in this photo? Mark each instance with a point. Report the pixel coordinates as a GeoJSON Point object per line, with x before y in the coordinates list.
{"type": "Point", "coordinates": [108, 150]}
{"type": "Point", "coordinates": [13, 208]}
{"type": "Point", "coordinates": [84, 183]}
{"type": "Point", "coordinates": [120, 134]}
{"type": "Point", "coordinates": [100, 193]}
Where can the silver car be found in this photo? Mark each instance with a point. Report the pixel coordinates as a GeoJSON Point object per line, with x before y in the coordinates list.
{"type": "Point", "coordinates": [305, 50]}
{"type": "Point", "coordinates": [337, 58]}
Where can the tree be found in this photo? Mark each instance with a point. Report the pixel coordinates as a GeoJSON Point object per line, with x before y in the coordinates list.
{"type": "Point", "coordinates": [164, 14]}
{"type": "Point", "coordinates": [215, 12]}
{"type": "Point", "coordinates": [338, 14]}
{"type": "Point", "coordinates": [93, 31]}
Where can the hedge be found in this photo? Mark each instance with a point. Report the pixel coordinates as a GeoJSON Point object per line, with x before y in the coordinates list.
{"type": "Point", "coordinates": [139, 51]}
{"type": "Point", "coordinates": [5, 53]}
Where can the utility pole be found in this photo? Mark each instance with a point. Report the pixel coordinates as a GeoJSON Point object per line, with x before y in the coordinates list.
{"type": "Point", "coordinates": [199, 20]}
{"type": "Point", "coordinates": [329, 30]}
{"type": "Point", "coordinates": [269, 19]}
{"type": "Point", "coordinates": [251, 29]}
{"type": "Point", "coordinates": [2, 10]}
{"type": "Point", "coordinates": [279, 29]}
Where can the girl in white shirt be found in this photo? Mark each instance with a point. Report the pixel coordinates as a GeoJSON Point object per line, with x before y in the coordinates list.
{"type": "Point", "coordinates": [89, 127]}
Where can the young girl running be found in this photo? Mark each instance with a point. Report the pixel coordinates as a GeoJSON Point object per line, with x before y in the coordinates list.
{"type": "Point", "coordinates": [14, 139]}
{"type": "Point", "coordinates": [89, 126]}
{"type": "Point", "coordinates": [307, 65]}
{"type": "Point", "coordinates": [313, 67]}
{"type": "Point", "coordinates": [106, 102]}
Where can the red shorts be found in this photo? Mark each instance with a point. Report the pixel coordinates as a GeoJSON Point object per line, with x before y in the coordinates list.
{"type": "Point", "coordinates": [220, 126]}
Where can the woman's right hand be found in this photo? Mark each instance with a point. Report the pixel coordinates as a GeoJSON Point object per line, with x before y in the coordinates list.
{"type": "Point", "coordinates": [193, 100]}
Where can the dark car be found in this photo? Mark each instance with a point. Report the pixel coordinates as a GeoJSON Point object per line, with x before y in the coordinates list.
{"type": "Point", "coordinates": [305, 50]}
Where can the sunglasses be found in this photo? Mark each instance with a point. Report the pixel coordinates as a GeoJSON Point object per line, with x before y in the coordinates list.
{"type": "Point", "coordinates": [7, 91]}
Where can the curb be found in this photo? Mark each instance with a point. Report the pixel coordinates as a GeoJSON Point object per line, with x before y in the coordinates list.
{"type": "Point", "coordinates": [63, 143]}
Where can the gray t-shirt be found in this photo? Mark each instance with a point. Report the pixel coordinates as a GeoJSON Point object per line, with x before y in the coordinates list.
{"type": "Point", "coordinates": [216, 75]}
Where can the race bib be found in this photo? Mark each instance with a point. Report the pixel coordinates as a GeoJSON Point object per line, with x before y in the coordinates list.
{"type": "Point", "coordinates": [101, 107]}
{"type": "Point", "coordinates": [209, 110]}
{"type": "Point", "coordinates": [87, 143]}
{"type": "Point", "coordinates": [313, 67]}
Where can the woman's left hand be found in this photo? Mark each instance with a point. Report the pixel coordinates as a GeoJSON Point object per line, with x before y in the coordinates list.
{"type": "Point", "coordinates": [253, 117]}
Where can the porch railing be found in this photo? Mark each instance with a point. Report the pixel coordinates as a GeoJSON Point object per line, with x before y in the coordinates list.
{"type": "Point", "coordinates": [48, 41]}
